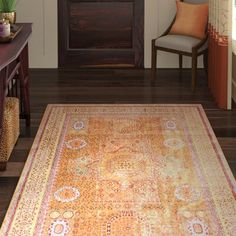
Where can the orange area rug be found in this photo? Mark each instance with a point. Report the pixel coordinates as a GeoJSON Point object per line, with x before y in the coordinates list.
{"type": "Point", "coordinates": [124, 170]}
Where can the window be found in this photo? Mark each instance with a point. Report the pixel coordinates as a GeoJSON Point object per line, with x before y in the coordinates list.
{"type": "Point", "coordinates": [234, 26]}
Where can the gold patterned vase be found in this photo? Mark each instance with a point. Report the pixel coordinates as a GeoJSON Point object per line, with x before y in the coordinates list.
{"type": "Point", "coordinates": [11, 16]}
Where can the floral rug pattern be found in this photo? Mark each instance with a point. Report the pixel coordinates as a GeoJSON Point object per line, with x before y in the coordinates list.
{"type": "Point", "coordinates": [124, 170]}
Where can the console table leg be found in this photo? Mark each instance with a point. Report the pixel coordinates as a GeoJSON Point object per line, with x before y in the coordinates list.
{"type": "Point", "coordinates": [3, 166]}
{"type": "Point", "coordinates": [2, 95]}
{"type": "Point", "coordinates": [25, 100]}
{"type": "Point", "coordinates": [24, 84]}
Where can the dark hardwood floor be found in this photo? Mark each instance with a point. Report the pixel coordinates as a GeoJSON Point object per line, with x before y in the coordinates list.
{"type": "Point", "coordinates": [113, 86]}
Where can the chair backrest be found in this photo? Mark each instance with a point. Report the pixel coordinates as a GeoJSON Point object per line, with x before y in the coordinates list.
{"type": "Point", "coordinates": [195, 1]}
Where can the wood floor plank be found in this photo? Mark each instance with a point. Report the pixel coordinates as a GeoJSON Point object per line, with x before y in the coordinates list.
{"type": "Point", "coordinates": [14, 169]}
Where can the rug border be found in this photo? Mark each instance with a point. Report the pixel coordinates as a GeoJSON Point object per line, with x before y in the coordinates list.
{"type": "Point", "coordinates": [219, 152]}
{"type": "Point", "coordinates": [23, 177]}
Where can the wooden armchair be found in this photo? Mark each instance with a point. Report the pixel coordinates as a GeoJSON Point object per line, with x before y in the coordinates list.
{"type": "Point", "coordinates": [182, 45]}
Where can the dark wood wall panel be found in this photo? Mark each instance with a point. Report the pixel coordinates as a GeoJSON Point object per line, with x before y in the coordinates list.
{"type": "Point", "coordinates": [112, 30]}
{"type": "Point", "coordinates": [101, 33]}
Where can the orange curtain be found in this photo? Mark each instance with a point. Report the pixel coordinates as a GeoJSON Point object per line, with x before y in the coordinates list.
{"type": "Point", "coordinates": [218, 50]}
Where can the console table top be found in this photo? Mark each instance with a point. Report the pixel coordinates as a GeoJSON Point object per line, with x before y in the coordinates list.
{"type": "Point", "coordinates": [10, 51]}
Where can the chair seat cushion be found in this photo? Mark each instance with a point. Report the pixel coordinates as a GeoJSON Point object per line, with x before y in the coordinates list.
{"type": "Point", "coordinates": [179, 43]}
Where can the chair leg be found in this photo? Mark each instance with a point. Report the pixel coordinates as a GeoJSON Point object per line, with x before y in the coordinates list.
{"type": "Point", "coordinates": [194, 70]}
{"type": "Point", "coordinates": [154, 59]}
{"type": "Point", "coordinates": [180, 66]}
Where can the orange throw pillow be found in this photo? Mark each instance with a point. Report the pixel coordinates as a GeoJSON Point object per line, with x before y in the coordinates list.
{"type": "Point", "coordinates": [191, 19]}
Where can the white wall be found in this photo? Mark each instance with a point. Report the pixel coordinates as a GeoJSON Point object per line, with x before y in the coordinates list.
{"type": "Point", "coordinates": [43, 42]}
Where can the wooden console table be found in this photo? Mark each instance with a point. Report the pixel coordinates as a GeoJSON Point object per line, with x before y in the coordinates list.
{"type": "Point", "coordinates": [14, 65]}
